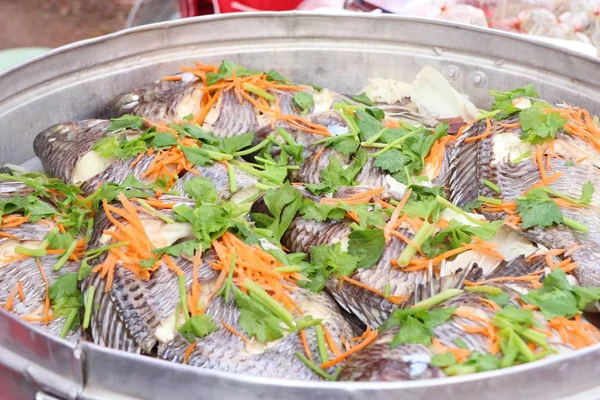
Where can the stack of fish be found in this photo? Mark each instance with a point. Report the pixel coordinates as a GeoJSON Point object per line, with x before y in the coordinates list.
{"type": "Point", "coordinates": [230, 219]}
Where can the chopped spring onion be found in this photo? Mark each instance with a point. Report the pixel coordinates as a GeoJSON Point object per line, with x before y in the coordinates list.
{"type": "Point", "coordinates": [89, 303]}
{"type": "Point", "coordinates": [260, 294]}
{"type": "Point", "coordinates": [489, 200]}
{"type": "Point", "coordinates": [409, 251]}
{"type": "Point", "coordinates": [63, 259]}
{"type": "Point", "coordinates": [183, 296]}
{"type": "Point", "coordinates": [152, 211]}
{"type": "Point", "coordinates": [492, 186]}
{"type": "Point", "coordinates": [231, 173]}
{"type": "Point", "coordinates": [24, 251]}
{"type": "Point", "coordinates": [258, 91]}
{"type": "Point", "coordinates": [314, 367]}
{"type": "Point", "coordinates": [68, 323]}
{"type": "Point", "coordinates": [438, 298]}
{"type": "Point", "coordinates": [484, 289]}
{"type": "Point", "coordinates": [321, 343]}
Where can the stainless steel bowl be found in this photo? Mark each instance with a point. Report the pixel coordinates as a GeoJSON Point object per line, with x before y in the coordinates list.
{"type": "Point", "coordinates": [341, 52]}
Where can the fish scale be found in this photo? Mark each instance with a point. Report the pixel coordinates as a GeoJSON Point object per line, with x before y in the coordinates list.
{"type": "Point", "coordinates": [27, 271]}
{"type": "Point", "coordinates": [133, 309]}
{"type": "Point", "coordinates": [277, 360]}
{"type": "Point", "coordinates": [370, 308]}
{"type": "Point", "coordinates": [157, 101]}
{"type": "Point", "coordinates": [514, 180]}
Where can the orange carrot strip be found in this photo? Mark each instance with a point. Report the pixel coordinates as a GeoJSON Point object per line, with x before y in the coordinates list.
{"type": "Point", "coordinates": [486, 133]}
{"type": "Point", "coordinates": [352, 350]}
{"type": "Point", "coordinates": [305, 345]}
{"type": "Point", "coordinates": [188, 352]}
{"type": "Point", "coordinates": [234, 331]}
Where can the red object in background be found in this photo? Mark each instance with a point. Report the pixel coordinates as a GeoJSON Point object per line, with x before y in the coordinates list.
{"type": "Point", "coordinates": [191, 8]}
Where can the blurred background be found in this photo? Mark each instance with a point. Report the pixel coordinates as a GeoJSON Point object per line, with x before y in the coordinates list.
{"type": "Point", "coordinates": [32, 26]}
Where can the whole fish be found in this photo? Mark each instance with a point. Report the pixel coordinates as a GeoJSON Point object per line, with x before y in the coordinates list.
{"type": "Point", "coordinates": [66, 152]}
{"type": "Point", "coordinates": [489, 159]}
{"type": "Point", "coordinates": [32, 275]}
{"type": "Point", "coordinates": [173, 101]}
{"type": "Point", "coordinates": [161, 100]}
{"type": "Point", "coordinates": [470, 324]}
{"type": "Point", "coordinates": [139, 315]}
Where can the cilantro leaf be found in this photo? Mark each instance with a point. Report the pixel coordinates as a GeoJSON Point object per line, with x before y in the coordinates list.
{"type": "Point", "coordinates": [197, 326]}
{"type": "Point", "coordinates": [443, 360]}
{"type": "Point", "coordinates": [422, 202]}
{"type": "Point", "coordinates": [232, 144]}
{"type": "Point", "coordinates": [321, 188]}
{"type": "Point", "coordinates": [256, 320]}
{"type": "Point", "coordinates": [537, 125]}
{"type": "Point", "coordinates": [163, 140]}
{"type": "Point", "coordinates": [304, 101]}
{"type": "Point", "coordinates": [201, 189]}
{"type": "Point", "coordinates": [587, 191]}
{"type": "Point", "coordinates": [283, 204]}
{"type": "Point", "coordinates": [367, 124]}
{"type": "Point", "coordinates": [416, 324]}
{"type": "Point", "coordinates": [210, 221]}
{"type": "Point", "coordinates": [367, 246]}
{"type": "Point", "coordinates": [225, 71]}
{"type": "Point", "coordinates": [502, 299]}
{"type": "Point", "coordinates": [392, 161]}
{"type": "Point", "coordinates": [325, 261]}
{"type": "Point", "coordinates": [188, 248]}
{"type": "Point", "coordinates": [65, 286]}
{"type": "Point", "coordinates": [275, 76]}
{"type": "Point", "coordinates": [503, 100]}
{"type": "Point", "coordinates": [364, 99]}
{"type": "Point", "coordinates": [126, 122]}
{"type": "Point", "coordinates": [320, 212]}
{"type": "Point", "coordinates": [558, 297]}
{"type": "Point", "coordinates": [338, 175]}
{"type": "Point", "coordinates": [538, 209]}
{"type": "Point", "coordinates": [201, 134]}
{"type": "Point", "coordinates": [457, 235]}
{"type": "Point", "coordinates": [197, 156]}
{"type": "Point", "coordinates": [346, 145]}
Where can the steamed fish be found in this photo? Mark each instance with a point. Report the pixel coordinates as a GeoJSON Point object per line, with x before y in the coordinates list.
{"type": "Point", "coordinates": [466, 333]}
{"type": "Point", "coordinates": [495, 157]}
{"type": "Point", "coordinates": [28, 278]}
{"type": "Point", "coordinates": [140, 308]}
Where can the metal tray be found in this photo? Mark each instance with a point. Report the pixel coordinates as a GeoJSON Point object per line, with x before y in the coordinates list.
{"type": "Point", "coordinates": [338, 51]}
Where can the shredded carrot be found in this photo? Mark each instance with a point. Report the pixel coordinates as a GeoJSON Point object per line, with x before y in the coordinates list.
{"type": "Point", "coordinates": [551, 179]}
{"type": "Point", "coordinates": [174, 78]}
{"type": "Point", "coordinates": [8, 235]}
{"type": "Point", "coordinates": [234, 331]}
{"type": "Point", "coordinates": [391, 299]}
{"type": "Point", "coordinates": [554, 252]}
{"type": "Point", "coordinates": [526, 278]}
{"type": "Point", "coordinates": [478, 246]}
{"type": "Point", "coordinates": [407, 241]}
{"type": "Point", "coordinates": [575, 333]}
{"type": "Point", "coordinates": [460, 354]}
{"type": "Point", "coordinates": [352, 350]}
{"type": "Point", "coordinates": [305, 345]}
{"type": "Point", "coordinates": [11, 298]}
{"type": "Point", "coordinates": [137, 160]}
{"type": "Point", "coordinates": [539, 154]}
{"type": "Point", "coordinates": [188, 352]}
{"type": "Point", "coordinates": [21, 293]}
{"type": "Point", "coordinates": [486, 133]}
{"type": "Point", "coordinates": [492, 305]}
{"type": "Point", "coordinates": [28, 318]}
{"type": "Point", "coordinates": [383, 203]}
{"type": "Point", "coordinates": [12, 221]}
{"type": "Point", "coordinates": [387, 230]}
{"type": "Point", "coordinates": [513, 125]}
{"type": "Point", "coordinates": [330, 342]}
{"type": "Point", "coordinates": [359, 198]}
{"type": "Point", "coordinates": [319, 154]}
{"type": "Point", "coordinates": [47, 291]}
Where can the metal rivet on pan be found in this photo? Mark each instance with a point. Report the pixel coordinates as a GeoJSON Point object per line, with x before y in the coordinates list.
{"type": "Point", "coordinates": [479, 79]}
{"type": "Point", "coordinates": [437, 50]}
{"type": "Point", "coordinates": [451, 72]}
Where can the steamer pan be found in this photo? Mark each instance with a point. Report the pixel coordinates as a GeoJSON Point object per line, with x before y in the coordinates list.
{"type": "Point", "coordinates": [75, 82]}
